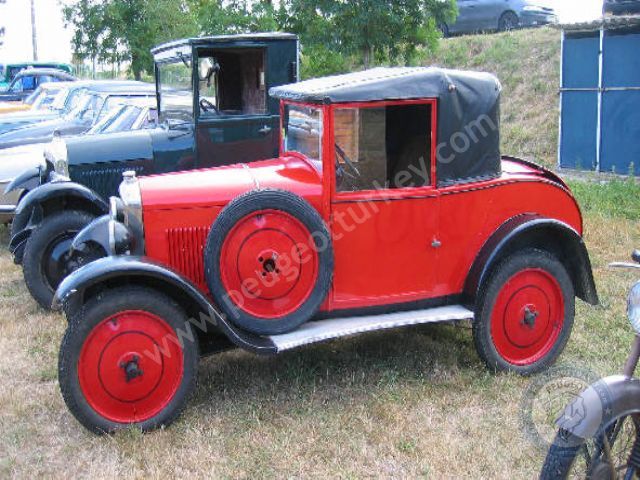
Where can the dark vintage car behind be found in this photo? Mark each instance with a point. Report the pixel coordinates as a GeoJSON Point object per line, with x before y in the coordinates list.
{"type": "Point", "coordinates": [27, 81]}
{"type": "Point", "coordinates": [213, 110]}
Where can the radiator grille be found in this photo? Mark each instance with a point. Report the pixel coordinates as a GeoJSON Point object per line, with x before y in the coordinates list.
{"type": "Point", "coordinates": [105, 180]}
{"type": "Point", "coordinates": [186, 252]}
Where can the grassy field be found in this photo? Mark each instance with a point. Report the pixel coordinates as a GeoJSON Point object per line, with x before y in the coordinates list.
{"type": "Point", "coordinates": [415, 403]}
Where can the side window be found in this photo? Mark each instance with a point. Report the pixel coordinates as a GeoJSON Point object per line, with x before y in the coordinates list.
{"type": "Point", "coordinates": [383, 147]}
{"type": "Point", "coordinates": [28, 83]}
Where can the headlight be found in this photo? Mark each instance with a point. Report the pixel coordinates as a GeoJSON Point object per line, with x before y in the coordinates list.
{"type": "Point", "coordinates": [633, 307]}
{"type": "Point", "coordinates": [56, 153]}
{"type": "Point", "coordinates": [128, 208]}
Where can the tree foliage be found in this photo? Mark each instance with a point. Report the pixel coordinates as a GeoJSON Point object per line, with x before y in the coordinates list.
{"type": "Point", "coordinates": [331, 31]}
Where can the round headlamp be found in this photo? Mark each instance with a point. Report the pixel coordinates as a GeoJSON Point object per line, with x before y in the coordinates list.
{"type": "Point", "coordinates": [633, 307]}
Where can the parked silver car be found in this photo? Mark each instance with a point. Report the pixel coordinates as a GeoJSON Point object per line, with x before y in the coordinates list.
{"type": "Point", "coordinates": [14, 161]}
{"type": "Point", "coordinates": [501, 15]}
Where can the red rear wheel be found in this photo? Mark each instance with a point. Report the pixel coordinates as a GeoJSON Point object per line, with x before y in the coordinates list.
{"type": "Point", "coordinates": [129, 357]}
{"type": "Point", "coordinates": [527, 316]}
{"type": "Point", "coordinates": [524, 318]}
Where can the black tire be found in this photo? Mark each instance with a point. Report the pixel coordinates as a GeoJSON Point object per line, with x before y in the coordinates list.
{"type": "Point", "coordinates": [95, 311]}
{"type": "Point", "coordinates": [567, 454]}
{"type": "Point", "coordinates": [508, 21]}
{"type": "Point", "coordinates": [444, 28]}
{"type": "Point", "coordinates": [57, 229]}
{"type": "Point", "coordinates": [240, 208]}
{"type": "Point", "coordinates": [518, 262]}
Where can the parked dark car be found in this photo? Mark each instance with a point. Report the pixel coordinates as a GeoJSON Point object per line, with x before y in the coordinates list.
{"type": "Point", "coordinates": [66, 100]}
{"type": "Point", "coordinates": [214, 110]}
{"type": "Point", "coordinates": [25, 83]}
{"type": "Point", "coordinates": [621, 7]}
{"type": "Point", "coordinates": [501, 15]}
{"type": "Point", "coordinates": [9, 71]}
{"type": "Point", "coordinates": [92, 105]}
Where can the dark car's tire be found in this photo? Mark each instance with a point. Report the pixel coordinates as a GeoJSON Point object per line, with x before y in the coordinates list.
{"type": "Point", "coordinates": [46, 260]}
{"type": "Point", "coordinates": [524, 314]}
{"type": "Point", "coordinates": [128, 358]}
{"type": "Point", "coordinates": [444, 28]}
{"type": "Point", "coordinates": [269, 261]}
{"type": "Point", "coordinates": [508, 21]}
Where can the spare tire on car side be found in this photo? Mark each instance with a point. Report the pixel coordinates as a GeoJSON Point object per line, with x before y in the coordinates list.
{"type": "Point", "coordinates": [269, 261]}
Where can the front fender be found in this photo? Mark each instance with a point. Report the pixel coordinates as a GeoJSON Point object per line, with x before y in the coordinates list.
{"type": "Point", "coordinates": [112, 236]}
{"type": "Point", "coordinates": [601, 403]}
{"type": "Point", "coordinates": [42, 201]}
{"type": "Point", "coordinates": [28, 180]}
{"type": "Point", "coordinates": [540, 232]}
{"type": "Point", "coordinates": [119, 270]}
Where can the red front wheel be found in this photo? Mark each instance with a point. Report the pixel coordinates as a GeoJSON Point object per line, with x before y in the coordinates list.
{"type": "Point", "coordinates": [129, 358]}
{"type": "Point", "coordinates": [525, 315]}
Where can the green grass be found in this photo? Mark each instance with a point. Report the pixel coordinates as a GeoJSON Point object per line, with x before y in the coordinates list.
{"type": "Point", "coordinates": [615, 198]}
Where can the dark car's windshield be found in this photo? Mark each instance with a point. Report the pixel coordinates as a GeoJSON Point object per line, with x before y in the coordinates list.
{"type": "Point", "coordinates": [86, 109]}
{"type": "Point", "coordinates": [176, 90]}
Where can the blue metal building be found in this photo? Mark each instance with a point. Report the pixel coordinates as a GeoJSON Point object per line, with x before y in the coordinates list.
{"type": "Point", "coordinates": [600, 96]}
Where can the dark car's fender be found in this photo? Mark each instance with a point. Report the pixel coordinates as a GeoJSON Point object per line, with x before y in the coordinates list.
{"type": "Point", "coordinates": [535, 231]}
{"type": "Point", "coordinates": [28, 180]}
{"type": "Point", "coordinates": [43, 200]}
{"type": "Point", "coordinates": [75, 290]}
{"type": "Point", "coordinates": [600, 404]}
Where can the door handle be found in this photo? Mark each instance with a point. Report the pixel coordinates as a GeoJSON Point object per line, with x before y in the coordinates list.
{"type": "Point", "coordinates": [436, 243]}
{"type": "Point", "coordinates": [266, 130]}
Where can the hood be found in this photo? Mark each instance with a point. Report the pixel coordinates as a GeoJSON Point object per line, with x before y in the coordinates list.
{"type": "Point", "coordinates": [109, 147]}
{"type": "Point", "coordinates": [35, 132]}
{"type": "Point", "coordinates": [14, 161]}
{"type": "Point", "coordinates": [218, 186]}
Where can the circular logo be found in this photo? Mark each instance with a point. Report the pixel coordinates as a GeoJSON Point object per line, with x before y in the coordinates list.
{"type": "Point", "coordinates": [555, 400]}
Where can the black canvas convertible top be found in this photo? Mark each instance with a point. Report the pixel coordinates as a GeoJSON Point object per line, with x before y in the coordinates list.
{"type": "Point", "coordinates": [468, 110]}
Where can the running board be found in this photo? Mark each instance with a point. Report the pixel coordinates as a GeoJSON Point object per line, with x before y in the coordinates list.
{"type": "Point", "coordinates": [319, 331]}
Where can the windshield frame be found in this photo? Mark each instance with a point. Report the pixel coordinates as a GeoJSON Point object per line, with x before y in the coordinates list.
{"type": "Point", "coordinates": [166, 115]}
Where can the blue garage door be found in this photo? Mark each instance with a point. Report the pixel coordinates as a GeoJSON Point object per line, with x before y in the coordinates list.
{"type": "Point", "coordinates": [579, 101]}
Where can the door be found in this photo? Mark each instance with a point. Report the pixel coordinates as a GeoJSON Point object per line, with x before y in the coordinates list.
{"type": "Point", "coordinates": [468, 16]}
{"type": "Point", "coordinates": [224, 140]}
{"type": "Point", "coordinates": [384, 209]}
{"type": "Point", "coordinates": [233, 122]}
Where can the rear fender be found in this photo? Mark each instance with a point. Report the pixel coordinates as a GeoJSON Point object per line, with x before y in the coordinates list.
{"type": "Point", "coordinates": [46, 199]}
{"type": "Point", "coordinates": [533, 231]}
{"type": "Point", "coordinates": [599, 405]}
{"type": "Point", "coordinates": [117, 271]}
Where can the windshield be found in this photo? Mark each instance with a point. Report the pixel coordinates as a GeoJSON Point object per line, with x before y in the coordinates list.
{"type": "Point", "coordinates": [176, 90]}
{"type": "Point", "coordinates": [42, 98]}
{"type": "Point", "coordinates": [118, 119]}
{"type": "Point", "coordinates": [86, 109]}
{"type": "Point", "coordinates": [303, 131]}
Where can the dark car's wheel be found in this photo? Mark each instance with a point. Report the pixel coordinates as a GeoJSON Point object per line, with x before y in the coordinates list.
{"type": "Point", "coordinates": [444, 28]}
{"type": "Point", "coordinates": [47, 260]}
{"type": "Point", "coordinates": [508, 21]}
{"type": "Point", "coordinates": [525, 313]}
{"type": "Point", "coordinates": [129, 357]}
{"type": "Point", "coordinates": [269, 261]}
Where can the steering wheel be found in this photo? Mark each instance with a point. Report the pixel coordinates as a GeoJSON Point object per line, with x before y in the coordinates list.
{"type": "Point", "coordinates": [207, 106]}
{"type": "Point", "coordinates": [355, 173]}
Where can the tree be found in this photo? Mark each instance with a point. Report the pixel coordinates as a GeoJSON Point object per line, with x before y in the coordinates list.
{"type": "Point", "coordinates": [86, 17]}
{"type": "Point", "coordinates": [384, 28]}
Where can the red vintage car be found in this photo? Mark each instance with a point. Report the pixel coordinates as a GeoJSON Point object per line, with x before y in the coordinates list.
{"type": "Point", "coordinates": [390, 205]}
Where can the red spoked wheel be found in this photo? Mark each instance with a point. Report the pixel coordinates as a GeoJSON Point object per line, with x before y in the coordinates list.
{"type": "Point", "coordinates": [525, 317]}
{"type": "Point", "coordinates": [269, 261]}
{"type": "Point", "coordinates": [130, 366]}
{"type": "Point", "coordinates": [123, 361]}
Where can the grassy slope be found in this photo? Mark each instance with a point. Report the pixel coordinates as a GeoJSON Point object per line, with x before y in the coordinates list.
{"type": "Point", "coordinates": [405, 404]}
{"type": "Point", "coordinates": [527, 63]}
